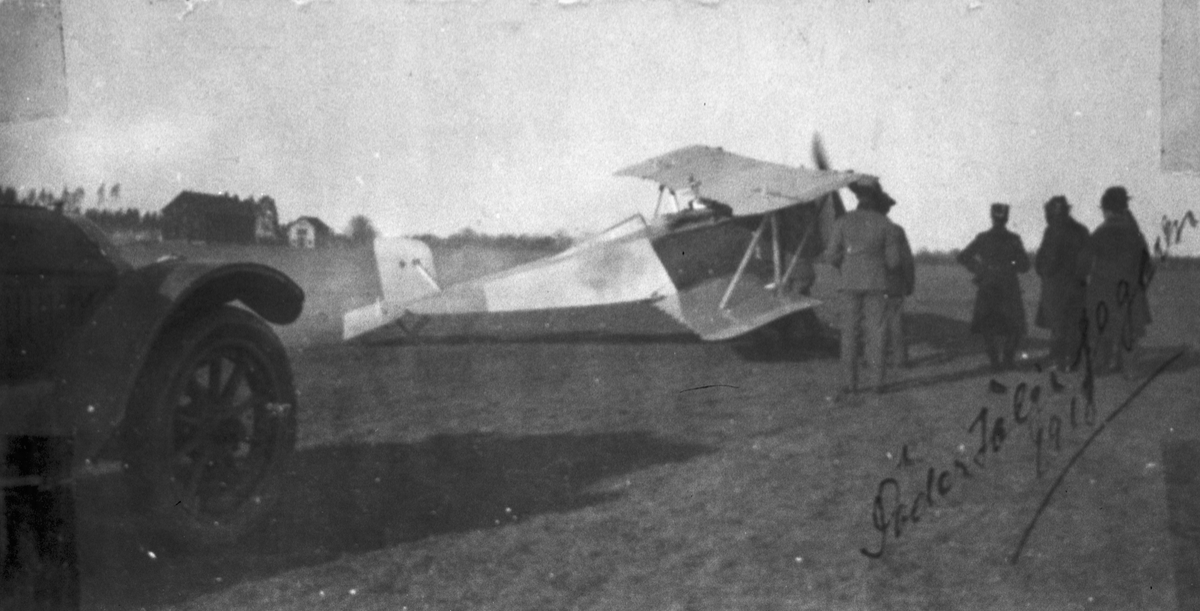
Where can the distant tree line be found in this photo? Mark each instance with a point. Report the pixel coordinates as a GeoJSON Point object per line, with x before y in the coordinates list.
{"type": "Point", "coordinates": [936, 257]}
{"type": "Point", "coordinates": [111, 220]}
{"type": "Point", "coordinates": [128, 219]}
{"type": "Point", "coordinates": [72, 200]}
{"type": "Point", "coordinates": [361, 231]}
{"type": "Point", "coordinates": [469, 237]}
{"type": "Point", "coordinates": [950, 257]}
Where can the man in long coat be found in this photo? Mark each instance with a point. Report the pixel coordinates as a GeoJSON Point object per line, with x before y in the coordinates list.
{"type": "Point", "coordinates": [1121, 268]}
{"type": "Point", "coordinates": [1062, 264]}
{"type": "Point", "coordinates": [995, 257]}
{"type": "Point", "coordinates": [863, 247]}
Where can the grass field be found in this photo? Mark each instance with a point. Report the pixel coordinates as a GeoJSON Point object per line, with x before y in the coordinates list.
{"type": "Point", "coordinates": [667, 473]}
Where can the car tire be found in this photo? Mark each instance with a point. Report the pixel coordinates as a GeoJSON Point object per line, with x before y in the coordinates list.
{"type": "Point", "coordinates": [210, 428]}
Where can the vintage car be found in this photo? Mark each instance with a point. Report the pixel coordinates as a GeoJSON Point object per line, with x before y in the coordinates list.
{"type": "Point", "coordinates": [167, 370]}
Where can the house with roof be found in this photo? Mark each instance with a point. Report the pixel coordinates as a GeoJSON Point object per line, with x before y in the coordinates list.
{"type": "Point", "coordinates": [309, 232]}
{"type": "Point", "coordinates": [204, 217]}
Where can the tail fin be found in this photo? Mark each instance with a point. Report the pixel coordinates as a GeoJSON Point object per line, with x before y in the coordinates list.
{"type": "Point", "coordinates": [406, 274]}
{"type": "Point", "coordinates": [405, 268]}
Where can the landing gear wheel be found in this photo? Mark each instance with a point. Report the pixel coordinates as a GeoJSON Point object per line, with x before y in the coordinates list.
{"type": "Point", "coordinates": [795, 334]}
{"type": "Point", "coordinates": [798, 329]}
{"type": "Point", "coordinates": [210, 428]}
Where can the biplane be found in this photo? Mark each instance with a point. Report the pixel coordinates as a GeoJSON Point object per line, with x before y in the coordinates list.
{"type": "Point", "coordinates": [731, 248]}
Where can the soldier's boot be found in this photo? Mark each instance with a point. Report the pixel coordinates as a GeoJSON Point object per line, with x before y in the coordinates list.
{"type": "Point", "coordinates": [1010, 351]}
{"type": "Point", "coordinates": [991, 346]}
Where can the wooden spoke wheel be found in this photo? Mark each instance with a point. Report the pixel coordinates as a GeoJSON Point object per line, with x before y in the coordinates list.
{"type": "Point", "coordinates": [210, 428]}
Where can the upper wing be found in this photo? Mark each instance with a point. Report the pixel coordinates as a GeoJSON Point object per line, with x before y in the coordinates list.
{"type": "Point", "coordinates": [748, 185]}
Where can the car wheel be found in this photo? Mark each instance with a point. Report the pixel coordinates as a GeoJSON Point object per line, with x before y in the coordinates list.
{"type": "Point", "coordinates": [210, 428]}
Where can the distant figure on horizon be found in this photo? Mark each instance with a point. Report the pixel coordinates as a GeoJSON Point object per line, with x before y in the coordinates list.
{"type": "Point", "coordinates": [863, 248]}
{"type": "Point", "coordinates": [901, 282]}
{"type": "Point", "coordinates": [995, 257]}
{"type": "Point", "coordinates": [1062, 263]}
{"type": "Point", "coordinates": [1121, 268]}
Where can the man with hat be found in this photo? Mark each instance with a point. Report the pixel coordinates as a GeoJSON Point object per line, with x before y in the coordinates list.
{"type": "Point", "coordinates": [901, 282]}
{"type": "Point", "coordinates": [863, 248]}
{"type": "Point", "coordinates": [1121, 267]}
{"type": "Point", "coordinates": [1062, 264]}
{"type": "Point", "coordinates": [995, 257]}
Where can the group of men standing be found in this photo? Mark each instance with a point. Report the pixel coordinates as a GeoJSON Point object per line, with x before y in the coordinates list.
{"type": "Point", "coordinates": [1093, 298]}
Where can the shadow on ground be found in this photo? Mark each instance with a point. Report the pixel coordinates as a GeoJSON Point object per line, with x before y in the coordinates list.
{"type": "Point", "coordinates": [598, 337]}
{"type": "Point", "coordinates": [358, 498]}
{"type": "Point", "coordinates": [1150, 359]}
{"type": "Point", "coordinates": [940, 339]}
{"type": "Point", "coordinates": [949, 339]}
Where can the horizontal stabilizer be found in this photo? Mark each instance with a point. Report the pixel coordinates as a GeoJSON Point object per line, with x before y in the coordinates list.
{"type": "Point", "coordinates": [360, 321]}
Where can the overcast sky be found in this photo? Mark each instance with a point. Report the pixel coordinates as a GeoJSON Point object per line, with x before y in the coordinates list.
{"type": "Point", "coordinates": [512, 115]}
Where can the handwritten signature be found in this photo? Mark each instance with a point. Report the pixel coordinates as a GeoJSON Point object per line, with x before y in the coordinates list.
{"type": "Point", "coordinates": [1029, 408]}
{"type": "Point", "coordinates": [1046, 426]}
{"type": "Point", "coordinates": [1172, 233]}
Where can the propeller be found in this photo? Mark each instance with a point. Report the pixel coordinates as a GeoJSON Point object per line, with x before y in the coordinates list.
{"type": "Point", "coordinates": [818, 153]}
{"type": "Point", "coordinates": [822, 162]}
{"type": "Point", "coordinates": [869, 188]}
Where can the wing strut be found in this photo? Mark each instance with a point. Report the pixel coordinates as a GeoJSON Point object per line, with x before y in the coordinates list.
{"type": "Point", "coordinates": [742, 266]}
{"type": "Point", "coordinates": [776, 256]}
{"type": "Point", "coordinates": [804, 241]}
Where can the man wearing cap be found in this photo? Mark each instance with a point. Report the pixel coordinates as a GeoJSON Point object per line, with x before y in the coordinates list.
{"type": "Point", "coordinates": [863, 248]}
{"type": "Point", "coordinates": [1062, 264]}
{"type": "Point", "coordinates": [901, 282]}
{"type": "Point", "coordinates": [995, 257]}
{"type": "Point", "coordinates": [1117, 305]}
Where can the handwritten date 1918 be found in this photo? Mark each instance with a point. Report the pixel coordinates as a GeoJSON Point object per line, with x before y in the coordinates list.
{"type": "Point", "coordinates": [891, 514]}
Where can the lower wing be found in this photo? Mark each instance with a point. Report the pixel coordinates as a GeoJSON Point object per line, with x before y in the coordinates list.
{"type": "Point", "coordinates": [752, 304]}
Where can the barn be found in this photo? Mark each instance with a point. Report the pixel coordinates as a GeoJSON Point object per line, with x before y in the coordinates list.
{"type": "Point", "coordinates": [308, 232]}
{"type": "Point", "coordinates": [203, 217]}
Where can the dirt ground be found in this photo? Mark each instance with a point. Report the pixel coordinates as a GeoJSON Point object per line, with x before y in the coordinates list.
{"type": "Point", "coordinates": [642, 469]}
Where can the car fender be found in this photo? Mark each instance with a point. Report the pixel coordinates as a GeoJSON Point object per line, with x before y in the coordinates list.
{"type": "Point", "coordinates": [96, 376]}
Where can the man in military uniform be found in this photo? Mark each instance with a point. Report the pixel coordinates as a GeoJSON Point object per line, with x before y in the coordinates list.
{"type": "Point", "coordinates": [1117, 305]}
{"type": "Point", "coordinates": [863, 248]}
{"type": "Point", "coordinates": [995, 257]}
{"type": "Point", "coordinates": [1062, 265]}
{"type": "Point", "coordinates": [901, 282]}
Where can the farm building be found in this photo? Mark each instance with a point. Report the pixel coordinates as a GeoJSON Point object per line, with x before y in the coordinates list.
{"type": "Point", "coordinates": [203, 217]}
{"type": "Point", "coordinates": [308, 232]}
